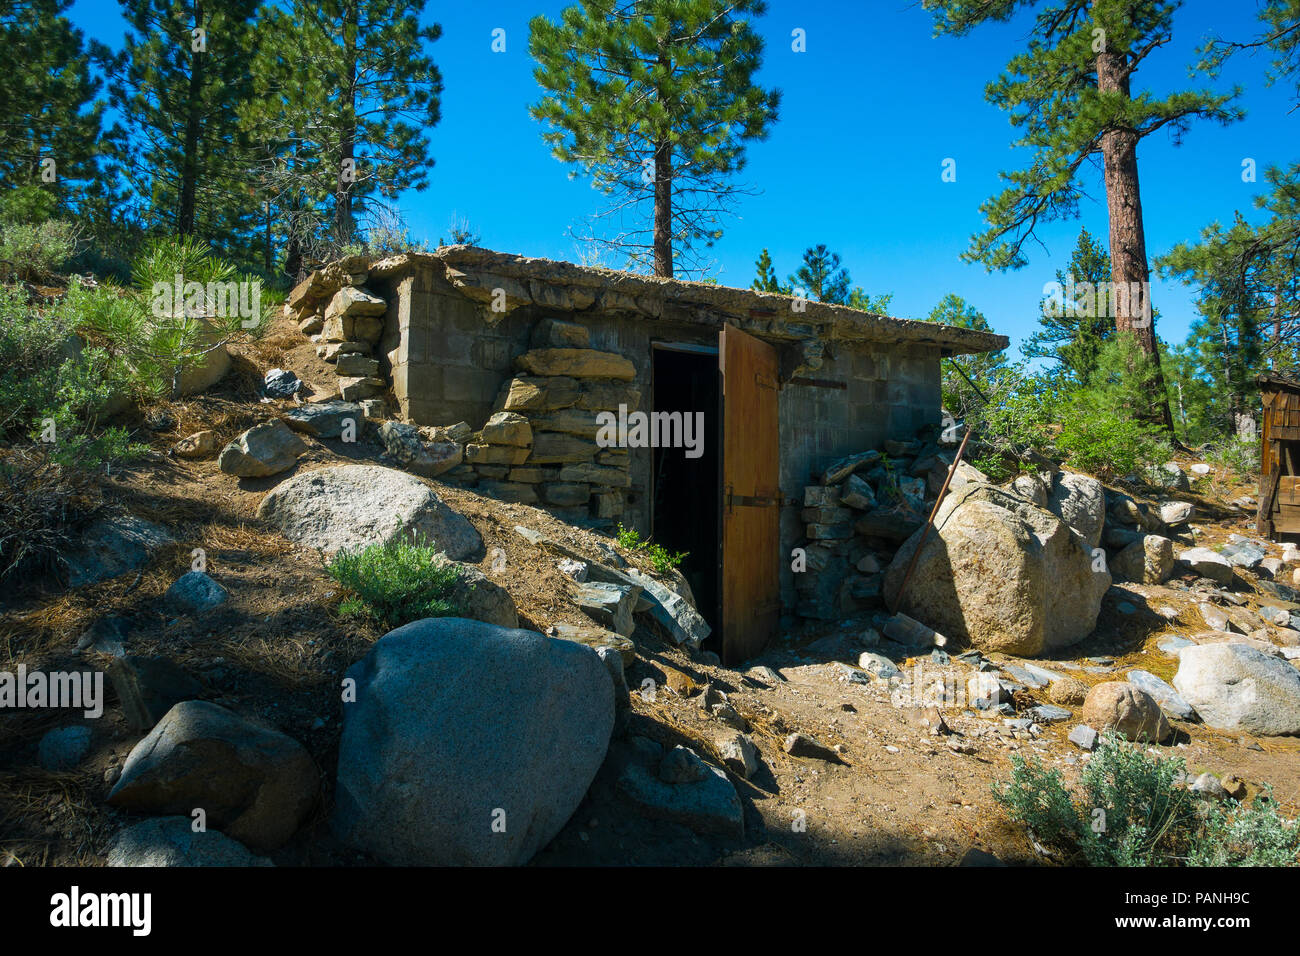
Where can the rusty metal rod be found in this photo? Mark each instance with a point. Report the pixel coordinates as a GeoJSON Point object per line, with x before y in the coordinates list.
{"type": "Point", "coordinates": [925, 533]}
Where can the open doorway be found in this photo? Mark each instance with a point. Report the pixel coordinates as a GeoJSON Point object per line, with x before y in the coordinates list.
{"type": "Point", "coordinates": [685, 497]}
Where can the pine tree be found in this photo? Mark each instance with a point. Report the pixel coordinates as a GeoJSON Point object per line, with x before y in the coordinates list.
{"type": "Point", "coordinates": [48, 105]}
{"type": "Point", "coordinates": [1074, 328]}
{"type": "Point", "coordinates": [179, 82]}
{"type": "Point", "coordinates": [1280, 36]}
{"type": "Point", "coordinates": [1070, 94]}
{"type": "Point", "coordinates": [655, 101]}
{"type": "Point", "coordinates": [1248, 292]}
{"type": "Point", "coordinates": [967, 379]}
{"type": "Point", "coordinates": [876, 305]}
{"type": "Point", "coordinates": [766, 280]}
{"type": "Point", "coordinates": [347, 92]}
{"type": "Point", "coordinates": [820, 277]}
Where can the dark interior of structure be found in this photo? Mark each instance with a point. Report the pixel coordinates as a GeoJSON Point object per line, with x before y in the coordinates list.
{"type": "Point", "coordinates": [685, 513]}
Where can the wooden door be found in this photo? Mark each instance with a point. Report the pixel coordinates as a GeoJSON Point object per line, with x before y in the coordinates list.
{"type": "Point", "coordinates": [750, 557]}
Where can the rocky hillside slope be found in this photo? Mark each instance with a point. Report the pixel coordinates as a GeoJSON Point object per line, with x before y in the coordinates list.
{"type": "Point", "coordinates": [236, 693]}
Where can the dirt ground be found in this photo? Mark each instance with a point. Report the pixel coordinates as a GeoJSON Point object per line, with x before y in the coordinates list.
{"type": "Point", "coordinates": [277, 649]}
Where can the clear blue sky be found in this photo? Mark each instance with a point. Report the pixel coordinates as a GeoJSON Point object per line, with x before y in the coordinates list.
{"type": "Point", "coordinates": [868, 115]}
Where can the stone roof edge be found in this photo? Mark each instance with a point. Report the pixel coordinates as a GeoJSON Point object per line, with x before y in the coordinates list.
{"type": "Point", "coordinates": [478, 273]}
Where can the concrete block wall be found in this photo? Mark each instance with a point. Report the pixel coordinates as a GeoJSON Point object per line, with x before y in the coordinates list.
{"type": "Point", "coordinates": [890, 392]}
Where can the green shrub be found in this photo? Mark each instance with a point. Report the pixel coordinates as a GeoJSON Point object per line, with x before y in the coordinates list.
{"type": "Point", "coordinates": [52, 388]}
{"type": "Point", "coordinates": [396, 582]}
{"type": "Point", "coordinates": [26, 206]}
{"type": "Point", "coordinates": [1131, 809]}
{"type": "Point", "coordinates": [661, 559]}
{"type": "Point", "coordinates": [1237, 455]}
{"type": "Point", "coordinates": [1095, 439]}
{"type": "Point", "coordinates": [35, 251]}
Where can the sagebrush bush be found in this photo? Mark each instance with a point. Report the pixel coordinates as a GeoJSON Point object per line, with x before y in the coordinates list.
{"type": "Point", "coordinates": [1238, 455]}
{"type": "Point", "coordinates": [396, 582]}
{"type": "Point", "coordinates": [1131, 808]}
{"type": "Point", "coordinates": [35, 251]}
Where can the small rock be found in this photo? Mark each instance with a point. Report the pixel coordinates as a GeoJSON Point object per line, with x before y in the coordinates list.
{"type": "Point", "coordinates": [1048, 713]}
{"type": "Point", "coordinates": [1067, 690]}
{"type": "Point", "coordinates": [1208, 564]}
{"type": "Point", "coordinates": [1233, 786]}
{"type": "Point", "coordinates": [64, 748]}
{"type": "Point", "coordinates": [1128, 710]}
{"type": "Point", "coordinates": [282, 384]}
{"type": "Point", "coordinates": [878, 665]}
{"type": "Point", "coordinates": [194, 592]}
{"type": "Point", "coordinates": [202, 444]}
{"type": "Point", "coordinates": [263, 450]}
{"type": "Point", "coordinates": [801, 745]}
{"type": "Point", "coordinates": [1084, 737]}
{"type": "Point", "coordinates": [1208, 785]}
{"type": "Point", "coordinates": [172, 841]}
{"type": "Point", "coordinates": [740, 755]}
{"type": "Point", "coordinates": [574, 570]}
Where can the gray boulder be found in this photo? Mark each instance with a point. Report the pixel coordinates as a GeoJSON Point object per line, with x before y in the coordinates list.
{"type": "Point", "coordinates": [1001, 574]}
{"type": "Point", "coordinates": [194, 592]}
{"type": "Point", "coordinates": [1148, 560]}
{"type": "Point", "coordinates": [404, 445]}
{"type": "Point", "coordinates": [1239, 688]}
{"type": "Point", "coordinates": [171, 841]}
{"type": "Point", "coordinates": [263, 450]}
{"type": "Point", "coordinates": [1170, 701]}
{"type": "Point", "coordinates": [1208, 564]}
{"type": "Point", "coordinates": [64, 748]}
{"type": "Point", "coordinates": [325, 419]}
{"type": "Point", "coordinates": [610, 605]}
{"type": "Point", "coordinates": [254, 783]}
{"type": "Point", "coordinates": [1079, 501]}
{"type": "Point", "coordinates": [113, 546]}
{"type": "Point", "coordinates": [468, 744]}
{"type": "Point", "coordinates": [478, 597]}
{"type": "Point", "coordinates": [352, 506]}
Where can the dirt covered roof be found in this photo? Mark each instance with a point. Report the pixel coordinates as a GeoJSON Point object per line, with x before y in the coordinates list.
{"type": "Point", "coordinates": [479, 273]}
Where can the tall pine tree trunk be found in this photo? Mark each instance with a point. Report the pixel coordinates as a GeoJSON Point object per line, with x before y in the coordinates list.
{"type": "Point", "coordinates": [663, 233]}
{"type": "Point", "coordinates": [343, 224]}
{"type": "Point", "coordinates": [1128, 244]}
{"type": "Point", "coordinates": [190, 149]}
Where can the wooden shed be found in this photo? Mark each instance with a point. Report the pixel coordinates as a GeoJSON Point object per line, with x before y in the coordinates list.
{"type": "Point", "coordinates": [1279, 463]}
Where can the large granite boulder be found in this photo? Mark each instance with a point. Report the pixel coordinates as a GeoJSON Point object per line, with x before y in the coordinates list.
{"type": "Point", "coordinates": [263, 450]}
{"type": "Point", "coordinates": [468, 744]}
{"type": "Point", "coordinates": [1239, 688]}
{"type": "Point", "coordinates": [113, 546]}
{"type": "Point", "coordinates": [352, 506]}
{"type": "Point", "coordinates": [254, 784]}
{"type": "Point", "coordinates": [1079, 501]}
{"type": "Point", "coordinates": [1002, 573]}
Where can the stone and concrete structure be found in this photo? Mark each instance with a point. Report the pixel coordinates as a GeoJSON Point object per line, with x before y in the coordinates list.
{"type": "Point", "coordinates": [520, 356]}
